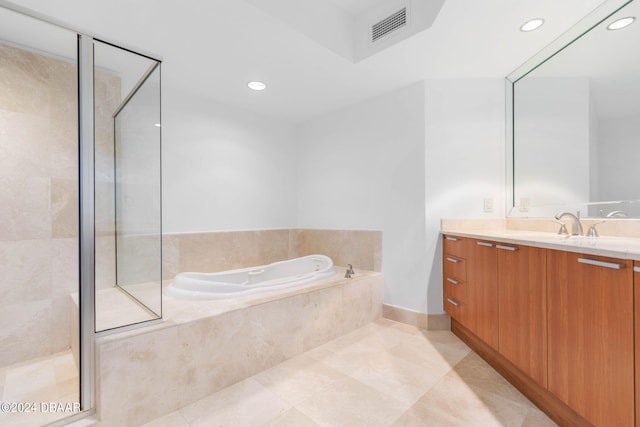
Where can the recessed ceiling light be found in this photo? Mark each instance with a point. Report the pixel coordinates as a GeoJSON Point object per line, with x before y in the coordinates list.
{"type": "Point", "coordinates": [157, 125]}
{"type": "Point", "coordinates": [621, 23]}
{"type": "Point", "coordinates": [257, 85]}
{"type": "Point", "coordinates": [531, 25]}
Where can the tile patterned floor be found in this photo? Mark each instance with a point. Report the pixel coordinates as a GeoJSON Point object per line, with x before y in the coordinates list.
{"type": "Point", "coordinates": [51, 379]}
{"type": "Point", "coordinates": [384, 374]}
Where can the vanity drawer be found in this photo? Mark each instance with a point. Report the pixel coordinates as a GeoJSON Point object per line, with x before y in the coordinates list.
{"type": "Point", "coordinates": [454, 245]}
{"type": "Point", "coordinates": [453, 306]}
{"type": "Point", "coordinates": [453, 288]}
{"type": "Point", "coordinates": [454, 267]}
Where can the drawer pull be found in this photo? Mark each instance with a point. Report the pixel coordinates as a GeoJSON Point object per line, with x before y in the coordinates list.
{"type": "Point", "coordinates": [487, 244]}
{"type": "Point", "coordinates": [453, 239]}
{"type": "Point", "coordinates": [454, 281]}
{"type": "Point", "coordinates": [612, 265]}
{"type": "Point", "coordinates": [453, 302]}
{"type": "Point", "coordinates": [507, 248]}
{"type": "Point", "coordinates": [453, 260]}
{"type": "Point", "coordinates": [636, 269]}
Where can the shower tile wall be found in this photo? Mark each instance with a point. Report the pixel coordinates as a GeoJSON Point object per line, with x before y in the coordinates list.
{"type": "Point", "coordinates": [107, 98]}
{"type": "Point", "coordinates": [38, 200]}
{"type": "Point", "coordinates": [38, 203]}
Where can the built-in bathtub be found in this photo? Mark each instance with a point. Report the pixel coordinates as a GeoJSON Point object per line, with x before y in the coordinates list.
{"type": "Point", "coordinates": [204, 345]}
{"type": "Point", "coordinates": [248, 281]}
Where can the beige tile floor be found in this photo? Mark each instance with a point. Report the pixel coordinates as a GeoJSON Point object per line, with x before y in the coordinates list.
{"type": "Point", "coordinates": [50, 379]}
{"type": "Point", "coordinates": [384, 374]}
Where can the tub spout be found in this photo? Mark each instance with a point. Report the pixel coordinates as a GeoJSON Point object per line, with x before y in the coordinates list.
{"type": "Point", "coordinates": [349, 272]}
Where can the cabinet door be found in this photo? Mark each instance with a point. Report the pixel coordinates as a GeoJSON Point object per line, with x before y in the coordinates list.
{"type": "Point", "coordinates": [590, 330]}
{"type": "Point", "coordinates": [482, 290]}
{"type": "Point", "coordinates": [522, 305]}
{"type": "Point", "coordinates": [636, 295]}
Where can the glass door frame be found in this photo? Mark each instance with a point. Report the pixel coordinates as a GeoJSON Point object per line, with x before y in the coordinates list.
{"type": "Point", "coordinates": [86, 145]}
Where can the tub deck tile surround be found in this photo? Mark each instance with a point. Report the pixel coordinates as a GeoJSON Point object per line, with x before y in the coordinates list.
{"type": "Point", "coordinates": [205, 346]}
{"type": "Point", "coordinates": [227, 250]}
{"type": "Point", "coordinates": [361, 248]}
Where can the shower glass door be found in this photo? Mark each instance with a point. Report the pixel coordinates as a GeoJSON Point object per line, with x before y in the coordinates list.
{"type": "Point", "coordinates": [39, 226]}
{"type": "Point", "coordinates": [128, 210]}
{"type": "Point", "coordinates": [138, 203]}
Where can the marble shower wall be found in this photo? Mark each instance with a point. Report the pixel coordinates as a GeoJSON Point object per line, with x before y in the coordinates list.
{"type": "Point", "coordinates": [226, 250]}
{"type": "Point", "coordinates": [39, 203]}
{"type": "Point", "coordinates": [107, 98]}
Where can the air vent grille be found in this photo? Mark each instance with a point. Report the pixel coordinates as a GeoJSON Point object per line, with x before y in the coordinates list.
{"type": "Point", "coordinates": [389, 24]}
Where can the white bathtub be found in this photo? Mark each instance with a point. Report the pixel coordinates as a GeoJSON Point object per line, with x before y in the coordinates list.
{"type": "Point", "coordinates": [247, 281]}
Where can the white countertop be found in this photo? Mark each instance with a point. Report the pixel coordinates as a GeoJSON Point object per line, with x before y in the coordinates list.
{"type": "Point", "coordinates": [615, 247]}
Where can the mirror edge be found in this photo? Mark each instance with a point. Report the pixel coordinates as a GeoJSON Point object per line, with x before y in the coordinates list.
{"type": "Point", "coordinates": [509, 189]}
{"type": "Point", "coordinates": [594, 18]}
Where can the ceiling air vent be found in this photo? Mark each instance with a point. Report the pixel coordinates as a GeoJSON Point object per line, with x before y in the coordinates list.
{"type": "Point", "coordinates": [389, 24]}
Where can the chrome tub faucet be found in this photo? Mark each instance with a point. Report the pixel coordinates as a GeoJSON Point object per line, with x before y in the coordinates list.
{"type": "Point", "coordinates": [349, 272]}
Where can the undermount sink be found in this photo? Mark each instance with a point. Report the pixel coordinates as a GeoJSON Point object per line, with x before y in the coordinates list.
{"type": "Point", "coordinates": [579, 239]}
{"type": "Point", "coordinates": [571, 240]}
{"type": "Point", "coordinates": [571, 237]}
{"type": "Point", "coordinates": [521, 234]}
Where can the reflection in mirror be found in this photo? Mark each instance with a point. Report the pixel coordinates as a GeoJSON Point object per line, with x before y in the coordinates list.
{"type": "Point", "coordinates": [127, 199]}
{"type": "Point", "coordinates": [576, 119]}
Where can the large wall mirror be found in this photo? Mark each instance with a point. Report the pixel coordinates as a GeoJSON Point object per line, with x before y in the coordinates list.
{"type": "Point", "coordinates": [576, 121]}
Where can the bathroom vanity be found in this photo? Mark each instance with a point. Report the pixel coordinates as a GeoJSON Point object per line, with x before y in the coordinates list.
{"type": "Point", "coordinates": [559, 316]}
{"type": "Point", "coordinates": [554, 315]}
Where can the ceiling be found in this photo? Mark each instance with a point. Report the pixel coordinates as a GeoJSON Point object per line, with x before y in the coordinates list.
{"type": "Point", "coordinates": [355, 7]}
{"type": "Point", "coordinates": [213, 48]}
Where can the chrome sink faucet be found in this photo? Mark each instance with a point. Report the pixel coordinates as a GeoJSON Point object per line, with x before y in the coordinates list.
{"type": "Point", "coordinates": [577, 229]}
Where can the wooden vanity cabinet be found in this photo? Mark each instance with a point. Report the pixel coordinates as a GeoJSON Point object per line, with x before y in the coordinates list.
{"type": "Point", "coordinates": [470, 286]}
{"type": "Point", "coordinates": [590, 336]}
{"type": "Point", "coordinates": [482, 291]}
{"type": "Point", "coordinates": [559, 325]}
{"type": "Point", "coordinates": [522, 305]}
{"type": "Point", "coordinates": [636, 297]}
{"type": "Point", "coordinates": [454, 270]}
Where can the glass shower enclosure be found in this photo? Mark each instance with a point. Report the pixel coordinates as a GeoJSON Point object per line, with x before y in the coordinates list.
{"type": "Point", "coordinates": [128, 192]}
{"type": "Point", "coordinates": [80, 209]}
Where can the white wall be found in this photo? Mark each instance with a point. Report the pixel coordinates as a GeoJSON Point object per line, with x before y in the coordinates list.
{"type": "Point", "coordinates": [464, 163]}
{"type": "Point", "coordinates": [225, 168]}
{"type": "Point", "coordinates": [399, 164]}
{"type": "Point", "coordinates": [363, 168]}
